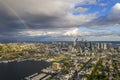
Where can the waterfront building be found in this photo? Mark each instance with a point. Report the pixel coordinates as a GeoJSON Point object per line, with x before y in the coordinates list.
{"type": "Point", "coordinates": [56, 66]}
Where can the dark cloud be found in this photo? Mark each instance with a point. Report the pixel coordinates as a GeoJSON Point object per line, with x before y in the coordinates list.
{"type": "Point", "coordinates": [41, 21]}
{"type": "Point", "coordinates": [8, 21]}
{"type": "Point", "coordinates": [54, 16]}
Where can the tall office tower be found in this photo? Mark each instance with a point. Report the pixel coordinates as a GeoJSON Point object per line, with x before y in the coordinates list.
{"type": "Point", "coordinates": [98, 45]}
{"type": "Point", "coordinates": [91, 46]}
{"type": "Point", "coordinates": [86, 43]}
{"type": "Point", "coordinates": [105, 46]}
{"type": "Point", "coordinates": [119, 48]}
{"type": "Point", "coordinates": [101, 46]}
{"type": "Point", "coordinates": [75, 42]}
{"type": "Point", "coordinates": [109, 46]}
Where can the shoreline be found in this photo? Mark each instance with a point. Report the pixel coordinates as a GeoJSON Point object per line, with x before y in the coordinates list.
{"type": "Point", "coordinates": [20, 60]}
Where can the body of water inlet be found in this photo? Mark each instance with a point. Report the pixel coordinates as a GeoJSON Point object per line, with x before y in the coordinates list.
{"type": "Point", "coordinates": [19, 70]}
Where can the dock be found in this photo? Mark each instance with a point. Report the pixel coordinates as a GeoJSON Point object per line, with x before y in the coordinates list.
{"type": "Point", "coordinates": [47, 77]}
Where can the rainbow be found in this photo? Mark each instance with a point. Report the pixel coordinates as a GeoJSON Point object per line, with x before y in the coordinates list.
{"type": "Point", "coordinates": [15, 13]}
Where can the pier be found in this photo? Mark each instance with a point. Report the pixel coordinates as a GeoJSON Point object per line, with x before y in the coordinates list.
{"type": "Point", "coordinates": [36, 76]}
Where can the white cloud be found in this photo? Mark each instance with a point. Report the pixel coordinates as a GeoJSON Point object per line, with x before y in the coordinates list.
{"type": "Point", "coordinates": [115, 12]}
{"type": "Point", "coordinates": [35, 33]}
{"type": "Point", "coordinates": [103, 4]}
{"type": "Point", "coordinates": [55, 33]}
{"type": "Point", "coordinates": [70, 34]}
{"type": "Point", "coordinates": [80, 9]}
{"type": "Point", "coordinates": [117, 6]}
{"type": "Point", "coordinates": [75, 32]}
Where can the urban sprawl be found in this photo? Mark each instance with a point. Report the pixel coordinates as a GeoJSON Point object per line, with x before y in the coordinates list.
{"type": "Point", "coordinates": [71, 60]}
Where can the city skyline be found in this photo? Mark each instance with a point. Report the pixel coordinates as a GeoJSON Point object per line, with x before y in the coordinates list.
{"type": "Point", "coordinates": [60, 20]}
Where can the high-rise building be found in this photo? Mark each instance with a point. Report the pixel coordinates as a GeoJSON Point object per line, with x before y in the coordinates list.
{"type": "Point", "coordinates": [105, 46]}
{"type": "Point", "coordinates": [101, 46]}
{"type": "Point", "coordinates": [98, 45]}
{"type": "Point", "coordinates": [118, 48]}
{"type": "Point", "coordinates": [91, 46]}
{"type": "Point", "coordinates": [109, 46]}
{"type": "Point", "coordinates": [75, 42]}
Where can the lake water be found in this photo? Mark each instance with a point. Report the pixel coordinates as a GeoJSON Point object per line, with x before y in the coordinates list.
{"type": "Point", "coordinates": [18, 70]}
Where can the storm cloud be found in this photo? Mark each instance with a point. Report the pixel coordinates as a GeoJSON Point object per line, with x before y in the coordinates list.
{"type": "Point", "coordinates": [52, 19]}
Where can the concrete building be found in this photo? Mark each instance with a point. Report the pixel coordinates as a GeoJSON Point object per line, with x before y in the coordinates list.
{"type": "Point", "coordinates": [101, 46]}
{"type": "Point", "coordinates": [56, 66]}
{"type": "Point", "coordinates": [105, 46]}
{"type": "Point", "coordinates": [98, 45]}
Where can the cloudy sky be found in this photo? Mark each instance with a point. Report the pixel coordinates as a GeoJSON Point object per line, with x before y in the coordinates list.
{"type": "Point", "coordinates": [46, 20]}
